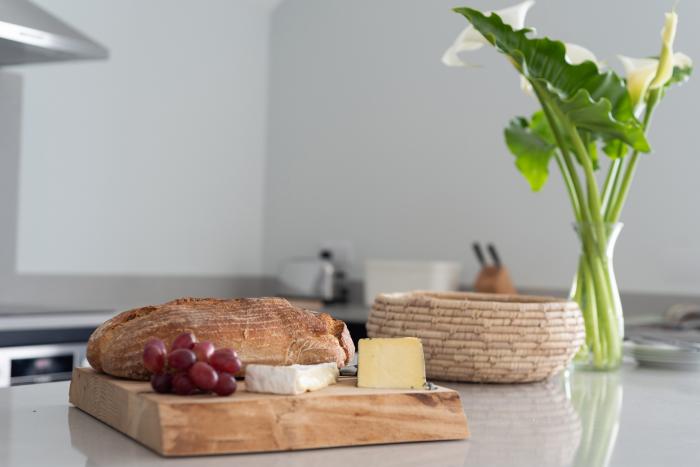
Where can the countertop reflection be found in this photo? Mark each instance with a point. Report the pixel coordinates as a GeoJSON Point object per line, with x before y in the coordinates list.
{"type": "Point", "coordinates": [577, 419]}
{"type": "Point", "coordinates": [514, 423]}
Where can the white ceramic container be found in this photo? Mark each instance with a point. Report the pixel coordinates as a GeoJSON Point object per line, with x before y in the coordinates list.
{"type": "Point", "coordinates": [387, 276]}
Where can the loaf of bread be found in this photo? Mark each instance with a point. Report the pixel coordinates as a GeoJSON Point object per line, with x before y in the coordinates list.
{"type": "Point", "coordinates": [262, 330]}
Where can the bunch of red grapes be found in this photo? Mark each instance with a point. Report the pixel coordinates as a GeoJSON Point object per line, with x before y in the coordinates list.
{"type": "Point", "coordinates": [191, 367]}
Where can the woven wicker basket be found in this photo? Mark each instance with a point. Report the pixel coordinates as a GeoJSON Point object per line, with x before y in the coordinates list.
{"type": "Point", "coordinates": [483, 337]}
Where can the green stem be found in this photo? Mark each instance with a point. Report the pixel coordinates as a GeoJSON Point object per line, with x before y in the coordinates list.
{"type": "Point", "coordinates": [616, 207]}
{"type": "Point", "coordinates": [610, 338]}
{"type": "Point", "coordinates": [597, 256]}
{"type": "Point", "coordinates": [598, 306]}
{"type": "Point", "coordinates": [611, 183]}
{"type": "Point", "coordinates": [591, 185]}
{"type": "Point", "coordinates": [568, 182]}
{"type": "Point", "coordinates": [590, 312]}
{"type": "Point", "coordinates": [568, 167]}
{"type": "Point", "coordinates": [621, 196]}
{"type": "Point", "coordinates": [614, 193]}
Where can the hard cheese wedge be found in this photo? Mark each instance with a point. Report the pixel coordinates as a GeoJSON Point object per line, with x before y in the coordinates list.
{"type": "Point", "coordinates": [395, 363]}
{"type": "Point", "coordinates": [292, 379]}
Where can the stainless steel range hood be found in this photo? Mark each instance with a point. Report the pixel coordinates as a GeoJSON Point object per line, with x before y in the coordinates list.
{"type": "Point", "coordinates": [29, 34]}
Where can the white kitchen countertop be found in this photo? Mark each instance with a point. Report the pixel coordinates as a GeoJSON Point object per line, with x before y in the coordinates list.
{"type": "Point", "coordinates": [635, 417]}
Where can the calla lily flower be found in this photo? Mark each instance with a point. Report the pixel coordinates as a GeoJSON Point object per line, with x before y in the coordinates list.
{"type": "Point", "coordinates": [575, 54]}
{"type": "Point", "coordinates": [470, 39]}
{"type": "Point", "coordinates": [668, 34]}
{"type": "Point", "coordinates": [642, 72]}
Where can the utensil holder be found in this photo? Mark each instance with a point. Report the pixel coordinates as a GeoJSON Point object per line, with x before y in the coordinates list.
{"type": "Point", "coordinates": [494, 279]}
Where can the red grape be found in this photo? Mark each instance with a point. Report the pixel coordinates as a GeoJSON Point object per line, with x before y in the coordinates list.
{"type": "Point", "coordinates": [161, 382]}
{"type": "Point", "coordinates": [203, 376]}
{"type": "Point", "coordinates": [230, 352]}
{"type": "Point", "coordinates": [181, 359]}
{"type": "Point", "coordinates": [186, 340]}
{"type": "Point", "coordinates": [158, 343]}
{"type": "Point", "coordinates": [203, 350]}
{"type": "Point", "coordinates": [183, 385]}
{"type": "Point", "coordinates": [225, 360]}
{"type": "Point", "coordinates": [226, 385]}
{"type": "Point", "coordinates": [193, 366]}
{"type": "Point", "coordinates": [154, 357]}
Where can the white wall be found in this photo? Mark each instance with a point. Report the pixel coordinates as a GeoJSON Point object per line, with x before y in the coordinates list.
{"type": "Point", "coordinates": [151, 162]}
{"type": "Point", "coordinates": [373, 140]}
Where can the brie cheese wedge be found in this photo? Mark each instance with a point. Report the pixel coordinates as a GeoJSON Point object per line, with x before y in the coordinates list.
{"type": "Point", "coordinates": [292, 379]}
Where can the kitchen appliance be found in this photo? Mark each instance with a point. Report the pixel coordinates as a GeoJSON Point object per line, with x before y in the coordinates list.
{"type": "Point", "coordinates": [39, 363]}
{"type": "Point", "coordinates": [338, 415]}
{"type": "Point", "coordinates": [29, 34]}
{"type": "Point", "coordinates": [39, 345]}
{"type": "Point", "coordinates": [313, 278]}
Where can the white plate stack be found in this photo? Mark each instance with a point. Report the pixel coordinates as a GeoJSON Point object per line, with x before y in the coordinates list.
{"type": "Point", "coordinates": [662, 355]}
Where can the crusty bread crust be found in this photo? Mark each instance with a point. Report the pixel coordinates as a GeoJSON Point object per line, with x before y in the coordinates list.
{"type": "Point", "coordinates": [262, 330]}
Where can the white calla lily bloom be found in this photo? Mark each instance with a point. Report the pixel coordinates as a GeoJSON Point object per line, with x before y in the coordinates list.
{"type": "Point", "coordinates": [470, 39]}
{"type": "Point", "coordinates": [644, 74]}
{"type": "Point", "coordinates": [681, 60]}
{"type": "Point", "coordinates": [641, 72]}
{"type": "Point", "coordinates": [576, 54]}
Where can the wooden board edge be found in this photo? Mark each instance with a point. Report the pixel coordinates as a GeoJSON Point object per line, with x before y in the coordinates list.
{"type": "Point", "coordinates": [441, 409]}
{"type": "Point", "coordinates": [146, 419]}
{"type": "Point", "coordinates": [105, 400]}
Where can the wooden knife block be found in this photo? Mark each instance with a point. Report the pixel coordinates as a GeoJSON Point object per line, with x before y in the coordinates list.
{"type": "Point", "coordinates": [494, 279]}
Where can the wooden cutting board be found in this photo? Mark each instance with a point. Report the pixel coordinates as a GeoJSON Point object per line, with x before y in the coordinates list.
{"type": "Point", "coordinates": [339, 415]}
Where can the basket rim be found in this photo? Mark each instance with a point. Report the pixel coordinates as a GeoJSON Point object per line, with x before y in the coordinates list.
{"type": "Point", "coordinates": [458, 297]}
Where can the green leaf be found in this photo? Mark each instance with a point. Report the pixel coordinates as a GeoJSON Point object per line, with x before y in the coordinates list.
{"type": "Point", "coordinates": [531, 149]}
{"type": "Point", "coordinates": [594, 101]}
{"type": "Point", "coordinates": [597, 117]}
{"type": "Point", "coordinates": [591, 147]}
{"type": "Point", "coordinates": [615, 149]}
{"type": "Point", "coordinates": [540, 126]}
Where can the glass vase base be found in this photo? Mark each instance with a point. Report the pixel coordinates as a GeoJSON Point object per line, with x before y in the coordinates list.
{"type": "Point", "coordinates": [595, 290]}
{"type": "Point", "coordinates": [583, 361]}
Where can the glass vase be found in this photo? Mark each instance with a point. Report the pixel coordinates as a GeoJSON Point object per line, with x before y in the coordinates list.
{"type": "Point", "coordinates": [595, 290]}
